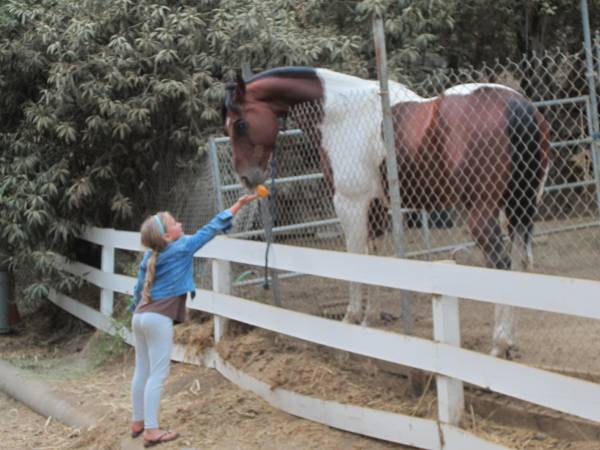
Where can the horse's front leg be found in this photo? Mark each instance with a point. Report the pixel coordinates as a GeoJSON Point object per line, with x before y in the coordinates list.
{"type": "Point", "coordinates": [352, 213]}
{"type": "Point", "coordinates": [373, 304]}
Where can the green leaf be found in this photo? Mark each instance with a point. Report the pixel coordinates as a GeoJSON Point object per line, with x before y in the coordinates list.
{"type": "Point", "coordinates": [67, 133]}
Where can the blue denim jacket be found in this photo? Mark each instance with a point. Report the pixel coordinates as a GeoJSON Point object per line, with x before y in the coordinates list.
{"type": "Point", "coordinates": [174, 269]}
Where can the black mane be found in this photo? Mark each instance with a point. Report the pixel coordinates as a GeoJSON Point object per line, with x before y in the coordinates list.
{"type": "Point", "coordinates": [285, 72]}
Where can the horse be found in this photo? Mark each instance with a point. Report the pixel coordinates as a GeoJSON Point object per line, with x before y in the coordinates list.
{"type": "Point", "coordinates": [482, 147]}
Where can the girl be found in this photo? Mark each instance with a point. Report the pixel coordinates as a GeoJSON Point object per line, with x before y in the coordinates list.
{"type": "Point", "coordinates": [164, 279]}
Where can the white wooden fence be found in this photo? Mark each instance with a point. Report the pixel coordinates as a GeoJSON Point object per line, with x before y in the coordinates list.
{"type": "Point", "coordinates": [444, 357]}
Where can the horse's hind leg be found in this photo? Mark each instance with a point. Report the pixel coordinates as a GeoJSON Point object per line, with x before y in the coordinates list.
{"type": "Point", "coordinates": [484, 225]}
{"type": "Point", "coordinates": [521, 260]}
{"type": "Point", "coordinates": [521, 254]}
{"type": "Point", "coordinates": [526, 180]}
{"type": "Point", "coordinates": [505, 323]}
{"type": "Point", "coordinates": [524, 188]}
{"type": "Point", "coordinates": [520, 212]}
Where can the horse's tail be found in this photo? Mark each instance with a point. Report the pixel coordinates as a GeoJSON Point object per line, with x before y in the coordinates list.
{"type": "Point", "coordinates": [527, 158]}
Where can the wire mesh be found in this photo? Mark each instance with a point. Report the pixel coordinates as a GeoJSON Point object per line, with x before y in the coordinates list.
{"type": "Point", "coordinates": [460, 198]}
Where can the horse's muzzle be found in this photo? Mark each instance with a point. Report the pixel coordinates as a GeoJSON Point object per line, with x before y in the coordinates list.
{"type": "Point", "coordinates": [253, 177]}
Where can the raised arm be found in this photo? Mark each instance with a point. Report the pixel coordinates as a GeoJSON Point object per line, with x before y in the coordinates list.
{"type": "Point", "coordinates": [221, 222]}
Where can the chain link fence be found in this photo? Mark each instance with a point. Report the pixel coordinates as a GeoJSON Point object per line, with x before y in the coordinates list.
{"type": "Point", "coordinates": [566, 238]}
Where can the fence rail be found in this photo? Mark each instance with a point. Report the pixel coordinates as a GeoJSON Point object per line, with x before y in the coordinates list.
{"type": "Point", "coordinates": [448, 361]}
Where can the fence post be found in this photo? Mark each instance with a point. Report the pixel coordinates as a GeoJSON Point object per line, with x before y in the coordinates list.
{"type": "Point", "coordinates": [446, 329]}
{"type": "Point", "coordinates": [106, 295]}
{"type": "Point", "coordinates": [216, 174]}
{"type": "Point", "coordinates": [391, 163]}
{"type": "Point", "coordinates": [246, 70]}
{"type": "Point", "coordinates": [221, 277]}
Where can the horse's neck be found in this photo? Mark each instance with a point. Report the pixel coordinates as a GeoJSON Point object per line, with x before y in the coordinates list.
{"type": "Point", "coordinates": [336, 82]}
{"type": "Point", "coordinates": [339, 84]}
{"type": "Point", "coordinates": [283, 93]}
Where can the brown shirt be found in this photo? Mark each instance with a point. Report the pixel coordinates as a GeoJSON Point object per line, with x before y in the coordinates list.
{"type": "Point", "coordinates": [173, 307]}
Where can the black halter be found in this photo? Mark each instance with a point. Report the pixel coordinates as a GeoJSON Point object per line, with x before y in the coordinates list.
{"type": "Point", "coordinates": [272, 203]}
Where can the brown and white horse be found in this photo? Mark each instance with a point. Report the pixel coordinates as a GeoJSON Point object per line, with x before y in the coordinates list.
{"type": "Point", "coordinates": [481, 146]}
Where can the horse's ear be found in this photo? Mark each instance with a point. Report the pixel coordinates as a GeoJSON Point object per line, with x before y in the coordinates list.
{"type": "Point", "coordinates": [240, 87]}
{"type": "Point", "coordinates": [229, 102]}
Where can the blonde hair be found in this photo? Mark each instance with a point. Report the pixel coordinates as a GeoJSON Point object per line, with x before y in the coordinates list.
{"type": "Point", "coordinates": [152, 236]}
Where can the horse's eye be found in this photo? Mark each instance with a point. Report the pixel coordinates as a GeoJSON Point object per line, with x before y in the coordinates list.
{"type": "Point", "coordinates": [239, 127]}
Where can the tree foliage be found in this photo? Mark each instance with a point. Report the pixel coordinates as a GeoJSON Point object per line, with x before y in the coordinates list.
{"type": "Point", "coordinates": [99, 98]}
{"type": "Point", "coordinates": [488, 30]}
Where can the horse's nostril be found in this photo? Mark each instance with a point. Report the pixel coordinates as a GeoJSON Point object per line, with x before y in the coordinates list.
{"type": "Point", "coordinates": [245, 180]}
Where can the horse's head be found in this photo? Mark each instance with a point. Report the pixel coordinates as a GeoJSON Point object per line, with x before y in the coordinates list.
{"type": "Point", "coordinates": [252, 126]}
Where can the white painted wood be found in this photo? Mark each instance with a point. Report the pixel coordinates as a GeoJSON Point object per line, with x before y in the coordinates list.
{"type": "Point", "coordinates": [569, 395]}
{"type": "Point", "coordinates": [101, 322]}
{"type": "Point", "coordinates": [446, 329]}
{"type": "Point", "coordinates": [221, 273]}
{"type": "Point", "coordinates": [87, 314]}
{"type": "Point", "coordinates": [457, 439]}
{"type": "Point", "coordinates": [548, 293]}
{"type": "Point", "coordinates": [543, 292]}
{"type": "Point", "coordinates": [446, 320]}
{"type": "Point", "coordinates": [125, 240]}
{"type": "Point", "coordinates": [398, 428]}
{"type": "Point", "coordinates": [180, 353]}
{"type": "Point", "coordinates": [114, 282]}
{"type": "Point", "coordinates": [393, 427]}
{"type": "Point", "coordinates": [108, 266]}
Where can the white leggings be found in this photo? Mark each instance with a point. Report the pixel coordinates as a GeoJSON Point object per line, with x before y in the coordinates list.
{"type": "Point", "coordinates": [153, 334]}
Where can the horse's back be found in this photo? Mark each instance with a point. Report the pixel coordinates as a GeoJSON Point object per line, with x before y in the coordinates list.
{"type": "Point", "coordinates": [475, 113]}
{"type": "Point", "coordinates": [467, 120]}
{"type": "Point", "coordinates": [471, 88]}
{"type": "Point", "coordinates": [475, 122]}
{"type": "Point", "coordinates": [455, 146]}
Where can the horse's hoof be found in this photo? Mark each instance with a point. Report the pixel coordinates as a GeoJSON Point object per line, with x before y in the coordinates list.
{"type": "Point", "coordinates": [387, 317]}
{"type": "Point", "coordinates": [496, 353]}
{"type": "Point", "coordinates": [369, 321]}
{"type": "Point", "coordinates": [352, 318]}
{"type": "Point", "coordinates": [512, 353]}
{"type": "Point", "coordinates": [504, 351]}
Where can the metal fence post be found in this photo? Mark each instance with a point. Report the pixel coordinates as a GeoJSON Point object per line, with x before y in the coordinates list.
{"type": "Point", "coordinates": [391, 163]}
{"type": "Point", "coordinates": [593, 98]}
{"type": "Point", "coordinates": [106, 295]}
{"type": "Point", "coordinates": [446, 330]}
{"type": "Point", "coordinates": [216, 174]}
{"type": "Point", "coordinates": [246, 71]}
{"type": "Point", "coordinates": [221, 275]}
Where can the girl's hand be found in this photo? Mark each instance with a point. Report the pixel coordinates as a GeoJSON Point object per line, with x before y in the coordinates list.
{"type": "Point", "coordinates": [245, 199]}
{"type": "Point", "coordinates": [242, 201]}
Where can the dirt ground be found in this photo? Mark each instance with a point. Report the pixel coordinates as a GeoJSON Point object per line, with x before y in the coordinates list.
{"type": "Point", "coordinates": [21, 428]}
{"type": "Point", "coordinates": [208, 411]}
{"type": "Point", "coordinates": [567, 344]}
{"type": "Point", "coordinates": [92, 371]}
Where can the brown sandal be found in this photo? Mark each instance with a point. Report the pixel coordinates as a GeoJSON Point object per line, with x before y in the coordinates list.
{"type": "Point", "coordinates": [165, 436]}
{"type": "Point", "coordinates": [135, 434]}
